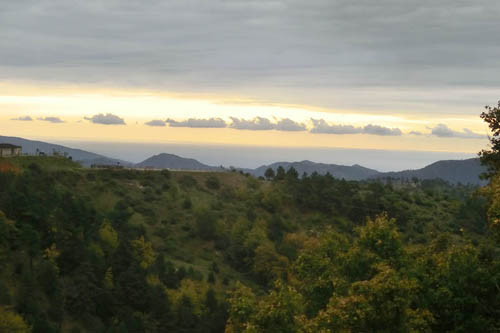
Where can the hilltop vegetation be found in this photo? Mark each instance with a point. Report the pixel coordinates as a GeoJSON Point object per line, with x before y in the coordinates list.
{"type": "Point", "coordinates": [103, 250]}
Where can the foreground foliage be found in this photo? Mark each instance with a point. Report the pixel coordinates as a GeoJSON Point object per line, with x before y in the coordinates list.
{"type": "Point", "coordinates": [149, 251]}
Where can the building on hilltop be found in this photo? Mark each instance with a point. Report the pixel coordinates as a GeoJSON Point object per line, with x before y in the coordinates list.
{"type": "Point", "coordinates": [8, 150]}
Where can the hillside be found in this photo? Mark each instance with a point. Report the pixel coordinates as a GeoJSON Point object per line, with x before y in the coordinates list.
{"type": "Point", "coordinates": [91, 250]}
{"type": "Point", "coordinates": [171, 161]}
{"type": "Point", "coordinates": [355, 172]}
{"type": "Point", "coordinates": [453, 171]}
{"type": "Point", "coordinates": [84, 157]}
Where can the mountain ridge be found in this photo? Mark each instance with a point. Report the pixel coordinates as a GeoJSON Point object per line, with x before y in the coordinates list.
{"type": "Point", "coordinates": [84, 157]}
{"type": "Point", "coordinates": [172, 161]}
{"type": "Point", "coordinates": [454, 171]}
{"type": "Point", "coordinates": [354, 172]}
{"type": "Point", "coordinates": [465, 171]}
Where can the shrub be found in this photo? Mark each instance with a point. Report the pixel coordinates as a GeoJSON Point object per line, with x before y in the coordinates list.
{"type": "Point", "coordinates": [212, 183]}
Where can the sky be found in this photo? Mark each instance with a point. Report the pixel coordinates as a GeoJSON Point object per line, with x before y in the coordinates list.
{"type": "Point", "coordinates": [358, 74]}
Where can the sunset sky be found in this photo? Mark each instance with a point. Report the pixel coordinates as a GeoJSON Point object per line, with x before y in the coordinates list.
{"type": "Point", "coordinates": [403, 75]}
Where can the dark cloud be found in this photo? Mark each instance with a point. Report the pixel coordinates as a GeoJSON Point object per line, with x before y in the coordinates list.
{"type": "Point", "coordinates": [54, 120]}
{"type": "Point", "coordinates": [264, 124]}
{"type": "Point", "coordinates": [289, 125]}
{"type": "Point", "coordinates": [443, 131]}
{"type": "Point", "coordinates": [198, 123]}
{"type": "Point", "coordinates": [381, 130]}
{"type": "Point", "coordinates": [256, 124]}
{"type": "Point", "coordinates": [26, 118]}
{"type": "Point", "coordinates": [291, 50]}
{"type": "Point", "coordinates": [156, 123]}
{"type": "Point", "coordinates": [106, 119]}
{"type": "Point", "coordinates": [321, 126]}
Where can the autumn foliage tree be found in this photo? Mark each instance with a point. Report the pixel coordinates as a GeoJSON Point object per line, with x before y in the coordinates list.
{"type": "Point", "coordinates": [491, 157]}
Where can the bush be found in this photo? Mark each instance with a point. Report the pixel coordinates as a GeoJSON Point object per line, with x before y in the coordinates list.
{"type": "Point", "coordinates": [166, 173]}
{"type": "Point", "coordinates": [187, 204]}
{"type": "Point", "coordinates": [205, 224]}
{"type": "Point", "coordinates": [188, 181]}
{"type": "Point", "coordinates": [212, 183]}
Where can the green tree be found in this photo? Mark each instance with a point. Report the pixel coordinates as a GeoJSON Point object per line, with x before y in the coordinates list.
{"type": "Point", "coordinates": [108, 236]}
{"type": "Point", "coordinates": [211, 278]}
{"type": "Point", "coordinates": [187, 321]}
{"type": "Point", "coordinates": [142, 252]}
{"type": "Point", "coordinates": [491, 157]}
{"type": "Point", "coordinates": [206, 222]}
{"type": "Point", "coordinates": [292, 174]}
{"type": "Point", "coordinates": [280, 173]}
{"type": "Point", "coordinates": [269, 174]}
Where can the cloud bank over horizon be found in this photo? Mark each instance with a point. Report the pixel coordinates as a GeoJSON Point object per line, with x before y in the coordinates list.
{"type": "Point", "coordinates": [443, 131]}
{"type": "Point", "coordinates": [54, 120]}
{"type": "Point", "coordinates": [198, 123]}
{"type": "Point", "coordinates": [105, 119]}
{"type": "Point", "coordinates": [25, 118]}
{"type": "Point", "coordinates": [322, 127]}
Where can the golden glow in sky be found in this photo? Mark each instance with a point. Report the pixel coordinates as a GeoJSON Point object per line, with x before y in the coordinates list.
{"type": "Point", "coordinates": [75, 106]}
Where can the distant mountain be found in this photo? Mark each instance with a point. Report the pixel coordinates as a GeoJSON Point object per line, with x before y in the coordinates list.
{"type": "Point", "coordinates": [453, 171]}
{"type": "Point", "coordinates": [171, 161]}
{"type": "Point", "coordinates": [84, 157]}
{"type": "Point", "coordinates": [355, 172]}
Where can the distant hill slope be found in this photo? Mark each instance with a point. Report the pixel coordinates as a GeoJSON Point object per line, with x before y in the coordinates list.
{"type": "Point", "coordinates": [453, 171]}
{"type": "Point", "coordinates": [171, 161]}
{"type": "Point", "coordinates": [83, 157]}
{"type": "Point", "coordinates": [355, 172]}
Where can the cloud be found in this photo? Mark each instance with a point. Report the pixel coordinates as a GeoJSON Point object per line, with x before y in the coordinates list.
{"type": "Point", "coordinates": [287, 50]}
{"type": "Point", "coordinates": [321, 126]}
{"type": "Point", "coordinates": [26, 118]}
{"type": "Point", "coordinates": [287, 124]}
{"type": "Point", "coordinates": [381, 130]}
{"type": "Point", "coordinates": [54, 120]}
{"type": "Point", "coordinates": [198, 123]}
{"type": "Point", "coordinates": [415, 133]}
{"type": "Point", "coordinates": [156, 123]}
{"type": "Point", "coordinates": [443, 131]}
{"type": "Point", "coordinates": [105, 119]}
{"type": "Point", "coordinates": [256, 124]}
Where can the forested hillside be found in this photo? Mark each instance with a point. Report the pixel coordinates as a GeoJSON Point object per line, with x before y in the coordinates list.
{"type": "Point", "coordinates": [105, 250]}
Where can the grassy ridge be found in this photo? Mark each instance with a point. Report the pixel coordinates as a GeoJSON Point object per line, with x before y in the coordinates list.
{"type": "Point", "coordinates": [142, 250]}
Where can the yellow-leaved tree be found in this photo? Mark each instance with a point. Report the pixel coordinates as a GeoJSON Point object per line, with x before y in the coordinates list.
{"type": "Point", "coordinates": [12, 322]}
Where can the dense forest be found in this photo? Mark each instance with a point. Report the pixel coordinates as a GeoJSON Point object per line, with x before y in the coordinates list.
{"type": "Point", "coordinates": [104, 250]}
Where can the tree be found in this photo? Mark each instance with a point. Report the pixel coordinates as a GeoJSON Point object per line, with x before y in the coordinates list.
{"type": "Point", "coordinates": [142, 252]}
{"type": "Point", "coordinates": [491, 158]}
{"type": "Point", "coordinates": [12, 322]}
{"type": "Point", "coordinates": [211, 278]}
{"type": "Point", "coordinates": [292, 174]}
{"type": "Point", "coordinates": [108, 236]}
{"type": "Point", "coordinates": [186, 317]}
{"type": "Point", "coordinates": [280, 173]}
{"type": "Point", "coordinates": [206, 222]}
{"type": "Point", "coordinates": [269, 173]}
